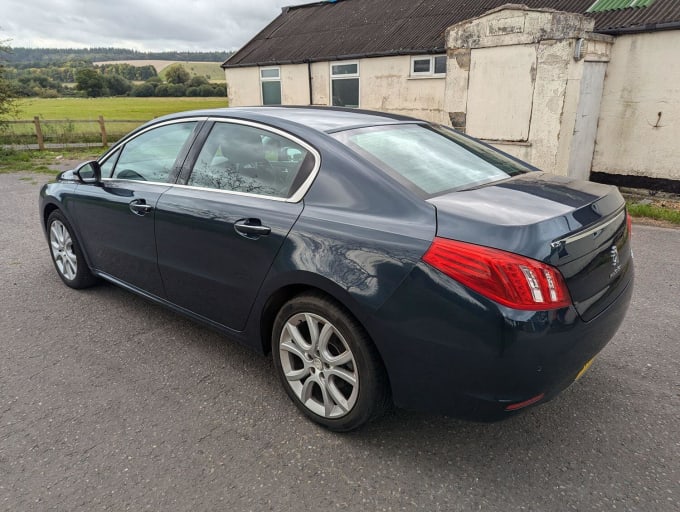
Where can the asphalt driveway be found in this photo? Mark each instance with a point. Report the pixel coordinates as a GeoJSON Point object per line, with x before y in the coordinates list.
{"type": "Point", "coordinates": [109, 402]}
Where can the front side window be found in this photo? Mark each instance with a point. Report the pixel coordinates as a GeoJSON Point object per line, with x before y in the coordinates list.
{"type": "Point", "coordinates": [108, 164]}
{"type": "Point", "coordinates": [429, 65]}
{"type": "Point", "coordinates": [151, 156]}
{"type": "Point", "coordinates": [430, 160]}
{"type": "Point", "coordinates": [270, 82]}
{"type": "Point", "coordinates": [345, 84]}
{"type": "Point", "coordinates": [246, 159]}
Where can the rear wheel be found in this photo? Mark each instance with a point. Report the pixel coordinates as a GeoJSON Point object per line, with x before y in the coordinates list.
{"type": "Point", "coordinates": [328, 365]}
{"type": "Point", "coordinates": [67, 255]}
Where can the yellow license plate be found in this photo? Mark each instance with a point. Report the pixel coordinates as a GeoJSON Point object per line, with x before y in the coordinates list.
{"type": "Point", "coordinates": [584, 369]}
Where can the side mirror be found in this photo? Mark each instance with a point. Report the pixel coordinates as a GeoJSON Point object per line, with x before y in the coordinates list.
{"type": "Point", "coordinates": [89, 172]}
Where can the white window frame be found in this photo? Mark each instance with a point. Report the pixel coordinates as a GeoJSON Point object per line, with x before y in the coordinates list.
{"type": "Point", "coordinates": [426, 74]}
{"type": "Point", "coordinates": [342, 77]}
{"type": "Point", "coordinates": [270, 79]}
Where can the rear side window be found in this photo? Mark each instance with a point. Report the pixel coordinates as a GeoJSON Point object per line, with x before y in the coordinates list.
{"type": "Point", "coordinates": [430, 160]}
{"type": "Point", "coordinates": [246, 159]}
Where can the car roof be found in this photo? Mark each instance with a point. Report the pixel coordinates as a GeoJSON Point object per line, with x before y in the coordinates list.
{"type": "Point", "coordinates": [324, 119]}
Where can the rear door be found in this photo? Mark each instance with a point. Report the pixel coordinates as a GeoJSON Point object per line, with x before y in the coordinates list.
{"type": "Point", "coordinates": [116, 216]}
{"type": "Point", "coordinates": [219, 230]}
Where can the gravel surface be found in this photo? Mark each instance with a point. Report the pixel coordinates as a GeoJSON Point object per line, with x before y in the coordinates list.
{"type": "Point", "coordinates": [108, 402]}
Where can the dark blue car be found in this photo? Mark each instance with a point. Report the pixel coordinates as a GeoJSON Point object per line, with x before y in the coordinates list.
{"type": "Point", "coordinates": [381, 259]}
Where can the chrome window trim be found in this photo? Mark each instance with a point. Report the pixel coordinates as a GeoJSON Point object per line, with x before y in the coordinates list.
{"type": "Point", "coordinates": [143, 182]}
{"type": "Point", "coordinates": [118, 145]}
{"type": "Point", "coordinates": [294, 198]}
{"type": "Point", "coordinates": [297, 196]}
{"type": "Point", "coordinates": [231, 192]}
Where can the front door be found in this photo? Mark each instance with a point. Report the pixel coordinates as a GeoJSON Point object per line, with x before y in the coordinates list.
{"type": "Point", "coordinates": [116, 217]}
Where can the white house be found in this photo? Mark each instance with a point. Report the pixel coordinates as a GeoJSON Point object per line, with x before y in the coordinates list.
{"type": "Point", "coordinates": [577, 87]}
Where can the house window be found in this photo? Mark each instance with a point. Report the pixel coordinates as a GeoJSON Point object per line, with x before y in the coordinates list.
{"type": "Point", "coordinates": [429, 65]}
{"type": "Point", "coordinates": [345, 84]}
{"type": "Point", "coordinates": [270, 80]}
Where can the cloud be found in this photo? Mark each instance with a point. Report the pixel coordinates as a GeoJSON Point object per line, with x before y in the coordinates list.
{"type": "Point", "coordinates": [151, 25]}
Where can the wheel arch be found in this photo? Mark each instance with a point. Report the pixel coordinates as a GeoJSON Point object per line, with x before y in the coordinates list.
{"type": "Point", "coordinates": [278, 297]}
{"type": "Point", "coordinates": [47, 211]}
{"type": "Point", "coordinates": [281, 294]}
{"type": "Point", "coordinates": [50, 206]}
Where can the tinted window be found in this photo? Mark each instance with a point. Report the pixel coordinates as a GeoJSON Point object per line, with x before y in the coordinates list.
{"type": "Point", "coordinates": [345, 69]}
{"type": "Point", "coordinates": [421, 65]}
{"type": "Point", "coordinates": [271, 93]}
{"type": "Point", "coordinates": [346, 92]}
{"type": "Point", "coordinates": [345, 84]}
{"type": "Point", "coordinates": [269, 73]}
{"type": "Point", "coordinates": [440, 64]}
{"type": "Point", "coordinates": [109, 163]}
{"type": "Point", "coordinates": [246, 159]}
{"type": "Point", "coordinates": [151, 156]}
{"type": "Point", "coordinates": [432, 160]}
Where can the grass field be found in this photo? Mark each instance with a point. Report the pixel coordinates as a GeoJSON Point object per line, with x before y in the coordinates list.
{"type": "Point", "coordinates": [142, 109]}
{"type": "Point", "coordinates": [136, 110]}
{"type": "Point", "coordinates": [210, 70]}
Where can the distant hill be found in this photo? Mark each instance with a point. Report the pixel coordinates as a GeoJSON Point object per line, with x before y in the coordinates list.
{"type": "Point", "coordinates": [48, 56]}
{"type": "Point", "coordinates": [210, 70]}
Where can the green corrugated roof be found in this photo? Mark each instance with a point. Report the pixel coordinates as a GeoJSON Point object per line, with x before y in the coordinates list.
{"type": "Point", "coordinates": [613, 5]}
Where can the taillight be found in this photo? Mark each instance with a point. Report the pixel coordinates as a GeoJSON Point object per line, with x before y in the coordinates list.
{"type": "Point", "coordinates": [629, 224]}
{"type": "Point", "coordinates": [507, 278]}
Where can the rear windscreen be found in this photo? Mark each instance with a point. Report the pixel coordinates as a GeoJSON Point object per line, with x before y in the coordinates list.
{"type": "Point", "coordinates": [431, 159]}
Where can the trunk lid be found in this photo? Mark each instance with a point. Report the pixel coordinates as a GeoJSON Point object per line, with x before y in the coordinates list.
{"type": "Point", "coordinates": [577, 226]}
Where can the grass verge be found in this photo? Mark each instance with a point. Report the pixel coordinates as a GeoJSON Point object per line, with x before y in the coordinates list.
{"type": "Point", "coordinates": [656, 212]}
{"type": "Point", "coordinates": [42, 161]}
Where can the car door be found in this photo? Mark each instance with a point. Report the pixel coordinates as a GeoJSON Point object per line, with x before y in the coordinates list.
{"type": "Point", "coordinates": [219, 231]}
{"type": "Point", "coordinates": [116, 217]}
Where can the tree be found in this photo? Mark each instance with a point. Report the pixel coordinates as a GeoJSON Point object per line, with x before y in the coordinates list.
{"type": "Point", "coordinates": [91, 82]}
{"type": "Point", "coordinates": [177, 90]}
{"type": "Point", "coordinates": [117, 85]}
{"type": "Point", "coordinates": [142, 90]}
{"type": "Point", "coordinates": [162, 90]}
{"type": "Point", "coordinates": [176, 74]}
{"type": "Point", "coordinates": [197, 81]}
{"type": "Point", "coordinates": [7, 105]}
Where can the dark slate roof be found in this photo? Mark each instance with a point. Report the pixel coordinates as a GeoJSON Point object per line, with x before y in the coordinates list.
{"type": "Point", "coordinates": [370, 28]}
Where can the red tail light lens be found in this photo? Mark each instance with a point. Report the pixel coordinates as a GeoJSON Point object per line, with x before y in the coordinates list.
{"type": "Point", "coordinates": [509, 279]}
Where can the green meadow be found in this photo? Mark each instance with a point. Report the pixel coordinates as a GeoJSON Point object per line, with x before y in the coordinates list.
{"type": "Point", "coordinates": [142, 109]}
{"type": "Point", "coordinates": [133, 110]}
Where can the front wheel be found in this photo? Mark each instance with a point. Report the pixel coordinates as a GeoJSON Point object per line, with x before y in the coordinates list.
{"type": "Point", "coordinates": [66, 253]}
{"type": "Point", "coordinates": [327, 363]}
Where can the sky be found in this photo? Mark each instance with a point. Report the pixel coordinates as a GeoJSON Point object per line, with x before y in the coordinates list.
{"type": "Point", "coordinates": [144, 25]}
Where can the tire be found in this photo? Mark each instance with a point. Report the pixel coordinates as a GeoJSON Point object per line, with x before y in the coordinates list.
{"type": "Point", "coordinates": [327, 363]}
{"type": "Point", "coordinates": [66, 253]}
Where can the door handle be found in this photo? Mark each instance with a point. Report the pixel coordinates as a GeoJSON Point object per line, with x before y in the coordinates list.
{"type": "Point", "coordinates": [139, 207]}
{"type": "Point", "coordinates": [251, 228]}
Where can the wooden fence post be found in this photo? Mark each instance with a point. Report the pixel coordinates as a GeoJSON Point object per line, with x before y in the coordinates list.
{"type": "Point", "coordinates": [102, 128]}
{"type": "Point", "coordinates": [39, 134]}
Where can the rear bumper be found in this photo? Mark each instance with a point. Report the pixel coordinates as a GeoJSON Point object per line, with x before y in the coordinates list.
{"type": "Point", "coordinates": [449, 350]}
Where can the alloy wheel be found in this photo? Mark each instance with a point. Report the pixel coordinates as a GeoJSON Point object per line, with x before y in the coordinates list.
{"type": "Point", "coordinates": [318, 365]}
{"type": "Point", "coordinates": [61, 245]}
